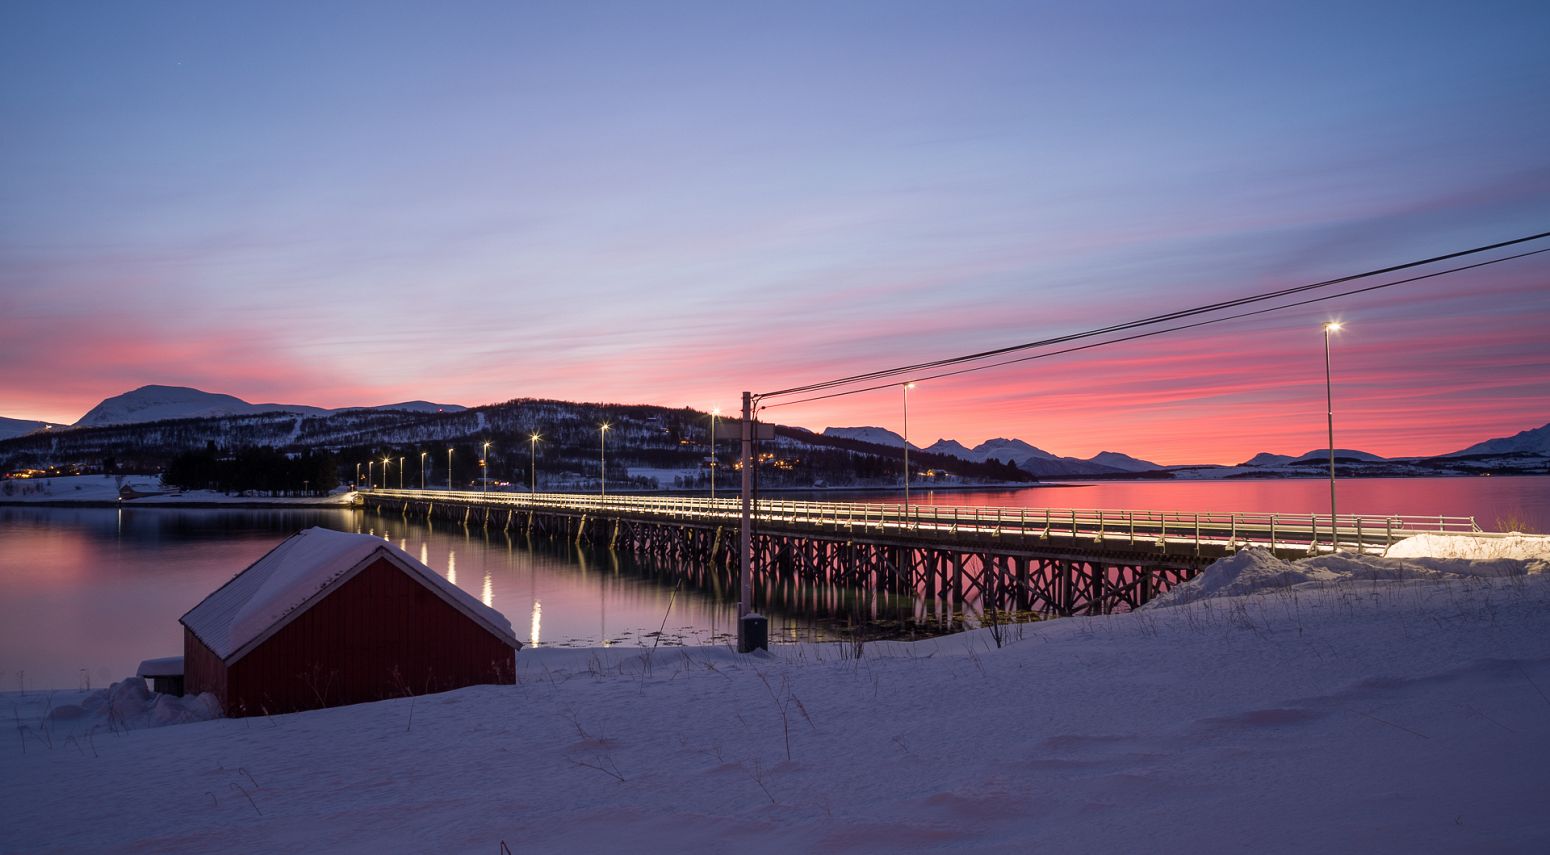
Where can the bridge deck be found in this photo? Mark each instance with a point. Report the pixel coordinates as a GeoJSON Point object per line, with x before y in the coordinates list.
{"type": "Point", "coordinates": [1083, 529]}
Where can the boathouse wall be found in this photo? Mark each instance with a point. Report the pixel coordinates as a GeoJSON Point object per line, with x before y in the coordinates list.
{"type": "Point", "coordinates": [382, 633]}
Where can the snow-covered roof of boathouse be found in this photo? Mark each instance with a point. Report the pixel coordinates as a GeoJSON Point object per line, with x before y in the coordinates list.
{"type": "Point", "coordinates": [288, 578]}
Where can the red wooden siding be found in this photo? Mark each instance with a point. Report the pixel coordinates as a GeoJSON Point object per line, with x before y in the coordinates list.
{"type": "Point", "coordinates": [203, 671]}
{"type": "Point", "coordinates": [380, 635]}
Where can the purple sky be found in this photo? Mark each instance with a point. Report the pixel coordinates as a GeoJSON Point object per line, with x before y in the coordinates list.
{"type": "Point", "coordinates": [342, 204]}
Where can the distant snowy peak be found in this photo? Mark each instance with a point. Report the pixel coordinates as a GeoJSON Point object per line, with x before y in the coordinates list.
{"type": "Point", "coordinates": [952, 447]}
{"type": "Point", "coordinates": [19, 427]}
{"type": "Point", "coordinates": [414, 407]}
{"type": "Point", "coordinates": [1015, 449]}
{"type": "Point", "coordinates": [1534, 441]}
{"type": "Point", "coordinates": [157, 403]}
{"type": "Point", "coordinates": [1265, 458]}
{"type": "Point", "coordinates": [1038, 462]}
{"type": "Point", "coordinates": [1123, 461]}
{"type": "Point", "coordinates": [875, 435]}
{"type": "Point", "coordinates": [1340, 454]}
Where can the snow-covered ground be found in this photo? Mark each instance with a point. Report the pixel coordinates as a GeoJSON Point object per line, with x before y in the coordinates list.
{"type": "Point", "coordinates": [95, 489]}
{"type": "Point", "coordinates": [1323, 707]}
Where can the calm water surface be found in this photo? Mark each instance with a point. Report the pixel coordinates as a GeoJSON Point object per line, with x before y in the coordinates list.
{"type": "Point", "coordinates": [1488, 500]}
{"type": "Point", "coordinates": [85, 594]}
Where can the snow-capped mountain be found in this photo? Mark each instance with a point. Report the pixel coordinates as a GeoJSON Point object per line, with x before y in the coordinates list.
{"type": "Point", "coordinates": [18, 427]}
{"type": "Point", "coordinates": [950, 446]}
{"type": "Point", "coordinates": [1340, 454]}
{"type": "Point", "coordinates": [1123, 461]}
{"type": "Point", "coordinates": [1029, 458]}
{"type": "Point", "coordinates": [1534, 441]}
{"type": "Point", "coordinates": [1011, 449]}
{"type": "Point", "coordinates": [160, 403]}
{"type": "Point", "coordinates": [874, 435]}
{"type": "Point", "coordinates": [410, 407]}
{"type": "Point", "coordinates": [1265, 458]}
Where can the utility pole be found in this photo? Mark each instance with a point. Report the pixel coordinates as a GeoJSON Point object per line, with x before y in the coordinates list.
{"type": "Point", "coordinates": [752, 629]}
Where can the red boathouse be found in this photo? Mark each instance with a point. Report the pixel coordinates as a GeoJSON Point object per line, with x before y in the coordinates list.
{"type": "Point", "coordinates": [330, 618]}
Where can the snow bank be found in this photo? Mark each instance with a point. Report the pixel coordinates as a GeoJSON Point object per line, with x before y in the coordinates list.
{"type": "Point", "coordinates": [1518, 546]}
{"type": "Point", "coordinates": [1371, 718]}
{"type": "Point", "coordinates": [1255, 571]}
{"type": "Point", "coordinates": [100, 489]}
{"type": "Point", "coordinates": [129, 705]}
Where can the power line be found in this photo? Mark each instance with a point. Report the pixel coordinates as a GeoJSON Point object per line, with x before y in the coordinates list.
{"type": "Point", "coordinates": [1155, 319]}
{"type": "Point", "coordinates": [1150, 333]}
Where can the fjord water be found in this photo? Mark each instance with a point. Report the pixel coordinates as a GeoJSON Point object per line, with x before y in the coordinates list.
{"type": "Point", "coordinates": [86, 593]}
{"type": "Point", "coordinates": [1492, 501]}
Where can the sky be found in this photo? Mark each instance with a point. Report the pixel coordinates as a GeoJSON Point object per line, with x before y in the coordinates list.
{"type": "Point", "coordinates": [670, 203]}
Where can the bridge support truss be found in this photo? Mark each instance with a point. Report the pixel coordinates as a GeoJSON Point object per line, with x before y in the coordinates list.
{"type": "Point", "coordinates": [1008, 575]}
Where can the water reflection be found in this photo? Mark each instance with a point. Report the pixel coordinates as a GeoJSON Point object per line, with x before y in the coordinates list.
{"type": "Point", "coordinates": [86, 593]}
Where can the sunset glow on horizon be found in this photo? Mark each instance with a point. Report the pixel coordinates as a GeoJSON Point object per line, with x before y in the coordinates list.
{"type": "Point", "coordinates": [355, 205]}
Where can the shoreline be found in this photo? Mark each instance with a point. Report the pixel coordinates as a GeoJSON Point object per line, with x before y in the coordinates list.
{"type": "Point", "coordinates": [326, 502]}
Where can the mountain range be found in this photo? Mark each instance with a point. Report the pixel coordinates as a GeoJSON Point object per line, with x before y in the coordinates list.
{"type": "Point", "coordinates": [161, 403]}
{"type": "Point", "coordinates": [1528, 450]}
{"type": "Point", "coordinates": [1029, 458]}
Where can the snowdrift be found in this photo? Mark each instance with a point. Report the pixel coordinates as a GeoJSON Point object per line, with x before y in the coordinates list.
{"type": "Point", "coordinates": [1519, 546]}
{"type": "Point", "coordinates": [129, 705]}
{"type": "Point", "coordinates": [1426, 557]}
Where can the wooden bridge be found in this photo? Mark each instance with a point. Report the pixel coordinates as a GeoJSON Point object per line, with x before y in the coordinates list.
{"type": "Point", "coordinates": [1057, 561]}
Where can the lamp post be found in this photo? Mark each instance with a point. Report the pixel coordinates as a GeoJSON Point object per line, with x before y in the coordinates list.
{"type": "Point", "coordinates": [357, 476]}
{"type": "Point", "coordinates": [602, 458]}
{"type": "Point", "coordinates": [369, 464]}
{"type": "Point", "coordinates": [532, 462]}
{"type": "Point", "coordinates": [385, 462]}
{"type": "Point", "coordinates": [449, 469]}
{"type": "Point", "coordinates": [422, 470]}
{"type": "Point", "coordinates": [1329, 400]}
{"type": "Point", "coordinates": [484, 467]}
{"type": "Point", "coordinates": [907, 388]}
{"type": "Point", "coordinates": [714, 412]}
{"type": "Point", "coordinates": [400, 473]}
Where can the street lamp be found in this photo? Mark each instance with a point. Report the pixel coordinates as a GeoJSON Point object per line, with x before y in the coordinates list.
{"type": "Point", "coordinates": [422, 470]}
{"type": "Point", "coordinates": [369, 482]}
{"type": "Point", "coordinates": [385, 462]}
{"type": "Point", "coordinates": [1329, 399]}
{"type": "Point", "coordinates": [907, 388]}
{"type": "Point", "coordinates": [714, 412]}
{"type": "Point", "coordinates": [602, 458]}
{"type": "Point", "coordinates": [357, 476]}
{"type": "Point", "coordinates": [484, 466]}
{"type": "Point", "coordinates": [532, 464]}
{"type": "Point", "coordinates": [449, 469]}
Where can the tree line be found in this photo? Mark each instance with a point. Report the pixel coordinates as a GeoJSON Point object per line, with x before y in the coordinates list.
{"type": "Point", "coordinates": [261, 469]}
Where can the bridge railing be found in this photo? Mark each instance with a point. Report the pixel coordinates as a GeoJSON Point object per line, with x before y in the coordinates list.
{"type": "Point", "coordinates": [1315, 532]}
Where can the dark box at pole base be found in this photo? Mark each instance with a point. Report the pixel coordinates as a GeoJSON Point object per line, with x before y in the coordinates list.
{"type": "Point", "coordinates": [753, 633]}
